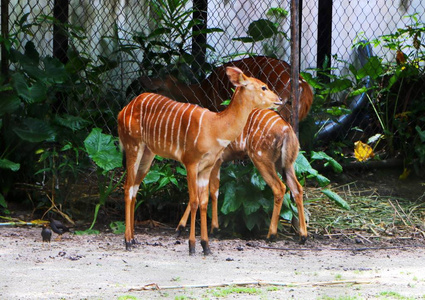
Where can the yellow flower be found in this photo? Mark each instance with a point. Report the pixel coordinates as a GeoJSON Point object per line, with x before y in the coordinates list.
{"type": "Point", "coordinates": [363, 151]}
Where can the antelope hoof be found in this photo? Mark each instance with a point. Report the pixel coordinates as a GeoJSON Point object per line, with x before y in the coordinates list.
{"type": "Point", "coordinates": [206, 248]}
{"type": "Point", "coordinates": [214, 231]}
{"type": "Point", "coordinates": [191, 248]}
{"type": "Point", "coordinates": [272, 238]}
{"type": "Point", "coordinates": [303, 239]}
{"type": "Point", "coordinates": [135, 242]}
{"type": "Point", "coordinates": [180, 229]}
{"type": "Point", "coordinates": [128, 245]}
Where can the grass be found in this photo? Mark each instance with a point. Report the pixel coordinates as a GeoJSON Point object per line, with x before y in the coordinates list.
{"type": "Point", "coordinates": [340, 298]}
{"type": "Point", "coordinates": [370, 212]}
{"type": "Point", "coordinates": [393, 296]}
{"type": "Point", "coordinates": [223, 292]}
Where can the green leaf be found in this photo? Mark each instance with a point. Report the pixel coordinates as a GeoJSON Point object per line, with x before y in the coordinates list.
{"type": "Point", "coordinates": [339, 85]}
{"type": "Point", "coordinates": [31, 53]}
{"type": "Point", "coordinates": [322, 180]}
{"type": "Point", "coordinates": [117, 227]}
{"type": "Point", "coordinates": [152, 177]}
{"type": "Point", "coordinates": [329, 160]}
{"type": "Point", "coordinates": [251, 205]}
{"type": "Point", "coordinates": [231, 202]}
{"type": "Point", "coordinates": [303, 166]}
{"type": "Point", "coordinates": [34, 93]}
{"type": "Point", "coordinates": [10, 165]}
{"type": "Point", "coordinates": [338, 111]}
{"type": "Point", "coordinates": [9, 103]}
{"type": "Point", "coordinates": [72, 122]}
{"type": "Point", "coordinates": [87, 232]}
{"type": "Point", "coordinates": [3, 202]}
{"type": "Point", "coordinates": [335, 197]}
{"type": "Point", "coordinates": [101, 148]}
{"type": "Point", "coordinates": [262, 29]}
{"type": "Point", "coordinates": [373, 68]}
{"type": "Point", "coordinates": [244, 39]}
{"type": "Point", "coordinates": [421, 133]}
{"type": "Point", "coordinates": [35, 131]}
{"type": "Point", "coordinates": [253, 220]}
{"type": "Point", "coordinates": [54, 70]}
{"type": "Point", "coordinates": [257, 180]}
{"type": "Point", "coordinates": [277, 12]}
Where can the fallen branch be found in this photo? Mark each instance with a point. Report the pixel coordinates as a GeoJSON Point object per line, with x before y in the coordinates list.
{"type": "Point", "coordinates": [342, 249]}
{"type": "Point", "coordinates": [154, 286]}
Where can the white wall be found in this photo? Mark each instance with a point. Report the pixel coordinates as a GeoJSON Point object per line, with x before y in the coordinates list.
{"type": "Point", "coordinates": [350, 18]}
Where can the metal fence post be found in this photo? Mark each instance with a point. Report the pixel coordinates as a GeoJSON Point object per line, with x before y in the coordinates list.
{"type": "Point", "coordinates": [295, 62]}
{"type": "Point", "coordinates": [60, 39]}
{"type": "Point", "coordinates": [4, 34]}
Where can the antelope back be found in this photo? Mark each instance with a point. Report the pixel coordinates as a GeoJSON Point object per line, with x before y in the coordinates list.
{"type": "Point", "coordinates": [168, 127]}
{"type": "Point", "coordinates": [266, 136]}
{"type": "Point", "coordinates": [217, 88]}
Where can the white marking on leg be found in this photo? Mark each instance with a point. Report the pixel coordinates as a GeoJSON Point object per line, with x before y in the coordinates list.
{"type": "Point", "coordinates": [223, 143]}
{"type": "Point", "coordinates": [202, 182]}
{"type": "Point", "coordinates": [216, 194]}
{"type": "Point", "coordinates": [283, 153]}
{"type": "Point", "coordinates": [135, 190]}
{"type": "Point", "coordinates": [259, 153]}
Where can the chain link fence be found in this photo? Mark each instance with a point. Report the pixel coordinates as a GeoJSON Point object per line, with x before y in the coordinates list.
{"type": "Point", "coordinates": [124, 40]}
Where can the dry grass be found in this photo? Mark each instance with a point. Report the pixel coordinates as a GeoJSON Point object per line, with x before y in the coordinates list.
{"type": "Point", "coordinates": [371, 214]}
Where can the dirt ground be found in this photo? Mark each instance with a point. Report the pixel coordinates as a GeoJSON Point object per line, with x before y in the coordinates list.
{"type": "Point", "coordinates": [98, 267]}
{"type": "Point", "coordinates": [361, 264]}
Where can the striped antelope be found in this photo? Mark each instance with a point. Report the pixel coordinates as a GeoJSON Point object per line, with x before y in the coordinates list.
{"type": "Point", "coordinates": [153, 124]}
{"type": "Point", "coordinates": [268, 140]}
{"type": "Point", "coordinates": [272, 145]}
{"type": "Point", "coordinates": [216, 88]}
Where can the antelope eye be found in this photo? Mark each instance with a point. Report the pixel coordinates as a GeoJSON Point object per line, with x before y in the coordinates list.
{"type": "Point", "coordinates": [264, 88]}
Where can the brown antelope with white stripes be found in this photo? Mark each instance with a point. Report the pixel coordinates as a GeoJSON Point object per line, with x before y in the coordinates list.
{"type": "Point", "coordinates": [272, 145]}
{"type": "Point", "coordinates": [153, 124]}
{"type": "Point", "coordinates": [268, 140]}
{"type": "Point", "coordinates": [216, 88]}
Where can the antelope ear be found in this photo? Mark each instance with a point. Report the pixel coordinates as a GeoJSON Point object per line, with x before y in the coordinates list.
{"type": "Point", "coordinates": [236, 76]}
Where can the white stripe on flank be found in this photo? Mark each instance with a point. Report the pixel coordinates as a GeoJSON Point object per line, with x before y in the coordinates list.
{"type": "Point", "coordinates": [147, 104]}
{"type": "Point", "coordinates": [187, 128]}
{"type": "Point", "coordinates": [151, 119]}
{"type": "Point", "coordinates": [199, 127]}
{"type": "Point", "coordinates": [163, 115]}
{"type": "Point", "coordinates": [258, 124]}
{"type": "Point", "coordinates": [268, 127]}
{"type": "Point", "coordinates": [252, 118]}
{"type": "Point", "coordinates": [124, 113]}
{"type": "Point", "coordinates": [178, 129]}
{"type": "Point", "coordinates": [131, 117]}
{"type": "Point", "coordinates": [159, 117]}
{"type": "Point", "coordinates": [172, 111]}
